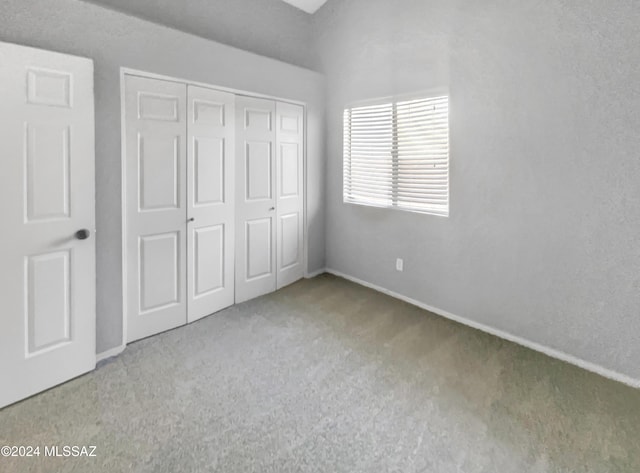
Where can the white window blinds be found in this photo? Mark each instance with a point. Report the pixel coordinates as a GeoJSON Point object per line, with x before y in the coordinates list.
{"type": "Point", "coordinates": [397, 155]}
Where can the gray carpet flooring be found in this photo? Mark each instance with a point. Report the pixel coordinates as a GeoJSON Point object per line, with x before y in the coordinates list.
{"type": "Point", "coordinates": [328, 376]}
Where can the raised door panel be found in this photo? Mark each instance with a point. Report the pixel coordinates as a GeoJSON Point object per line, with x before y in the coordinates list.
{"type": "Point", "coordinates": [209, 178]}
{"type": "Point", "coordinates": [209, 112]}
{"type": "Point", "coordinates": [258, 248]}
{"type": "Point", "coordinates": [258, 120]}
{"type": "Point", "coordinates": [290, 235]}
{"type": "Point", "coordinates": [159, 170]}
{"type": "Point", "coordinates": [290, 163]}
{"type": "Point", "coordinates": [258, 168]}
{"type": "Point", "coordinates": [209, 248]}
{"type": "Point", "coordinates": [48, 178]}
{"type": "Point", "coordinates": [49, 87]}
{"type": "Point", "coordinates": [290, 121]}
{"type": "Point", "coordinates": [49, 300]}
{"type": "Point", "coordinates": [159, 271]}
{"type": "Point", "coordinates": [155, 106]}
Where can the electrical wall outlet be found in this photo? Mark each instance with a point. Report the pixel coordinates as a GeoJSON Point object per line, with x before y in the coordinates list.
{"type": "Point", "coordinates": [399, 264]}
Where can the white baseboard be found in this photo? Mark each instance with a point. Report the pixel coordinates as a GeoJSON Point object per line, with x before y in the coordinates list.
{"type": "Point", "coordinates": [109, 353]}
{"type": "Point", "coordinates": [315, 273]}
{"type": "Point", "coordinates": [552, 352]}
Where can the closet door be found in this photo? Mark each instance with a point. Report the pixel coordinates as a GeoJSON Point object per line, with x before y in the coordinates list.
{"type": "Point", "coordinates": [156, 205]}
{"type": "Point", "coordinates": [255, 198]}
{"type": "Point", "coordinates": [211, 213]}
{"type": "Point", "coordinates": [290, 202]}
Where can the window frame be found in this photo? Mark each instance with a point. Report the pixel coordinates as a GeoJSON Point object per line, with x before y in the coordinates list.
{"type": "Point", "coordinates": [394, 187]}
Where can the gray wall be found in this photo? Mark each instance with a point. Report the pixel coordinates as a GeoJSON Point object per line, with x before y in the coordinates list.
{"type": "Point", "coordinates": [114, 40]}
{"type": "Point", "coordinates": [543, 240]}
{"type": "Point", "coordinates": [271, 28]}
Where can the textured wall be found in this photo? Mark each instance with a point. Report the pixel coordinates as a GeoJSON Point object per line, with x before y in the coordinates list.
{"type": "Point", "coordinates": [267, 27]}
{"type": "Point", "coordinates": [113, 40]}
{"type": "Point", "coordinates": [543, 240]}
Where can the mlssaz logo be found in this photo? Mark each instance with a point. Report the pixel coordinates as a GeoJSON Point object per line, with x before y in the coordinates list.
{"type": "Point", "coordinates": [70, 451]}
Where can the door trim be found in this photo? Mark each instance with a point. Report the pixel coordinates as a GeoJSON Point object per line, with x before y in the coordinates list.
{"type": "Point", "coordinates": [126, 71]}
{"type": "Point", "coordinates": [115, 351]}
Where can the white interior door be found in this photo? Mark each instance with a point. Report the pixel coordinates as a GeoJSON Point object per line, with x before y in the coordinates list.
{"type": "Point", "coordinates": [255, 198]}
{"type": "Point", "coordinates": [156, 205]}
{"type": "Point", "coordinates": [47, 208]}
{"type": "Point", "coordinates": [289, 185]}
{"type": "Point", "coordinates": [210, 248]}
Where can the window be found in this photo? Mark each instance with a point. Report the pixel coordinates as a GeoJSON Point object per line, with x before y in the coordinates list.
{"type": "Point", "coordinates": [396, 155]}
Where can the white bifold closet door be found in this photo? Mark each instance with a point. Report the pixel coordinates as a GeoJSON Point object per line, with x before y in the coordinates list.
{"type": "Point", "coordinates": [210, 248]}
{"type": "Point", "coordinates": [289, 193]}
{"type": "Point", "coordinates": [269, 198]}
{"type": "Point", "coordinates": [214, 201]}
{"type": "Point", "coordinates": [47, 207]}
{"type": "Point", "coordinates": [179, 206]}
{"type": "Point", "coordinates": [255, 198]}
{"type": "Point", "coordinates": [156, 196]}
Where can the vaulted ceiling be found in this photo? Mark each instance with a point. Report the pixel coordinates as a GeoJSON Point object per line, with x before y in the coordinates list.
{"type": "Point", "coordinates": [310, 6]}
{"type": "Point", "coordinates": [271, 28]}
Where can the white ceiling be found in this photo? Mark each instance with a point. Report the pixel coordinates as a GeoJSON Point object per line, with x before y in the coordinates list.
{"type": "Point", "coordinates": [310, 6]}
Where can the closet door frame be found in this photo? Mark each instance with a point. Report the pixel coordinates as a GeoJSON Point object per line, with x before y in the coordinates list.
{"type": "Point", "coordinates": [125, 71]}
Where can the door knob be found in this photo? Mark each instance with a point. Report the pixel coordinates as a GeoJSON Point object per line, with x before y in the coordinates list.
{"type": "Point", "coordinates": [272, 209]}
{"type": "Point", "coordinates": [82, 234]}
{"type": "Point", "coordinates": [191, 219]}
